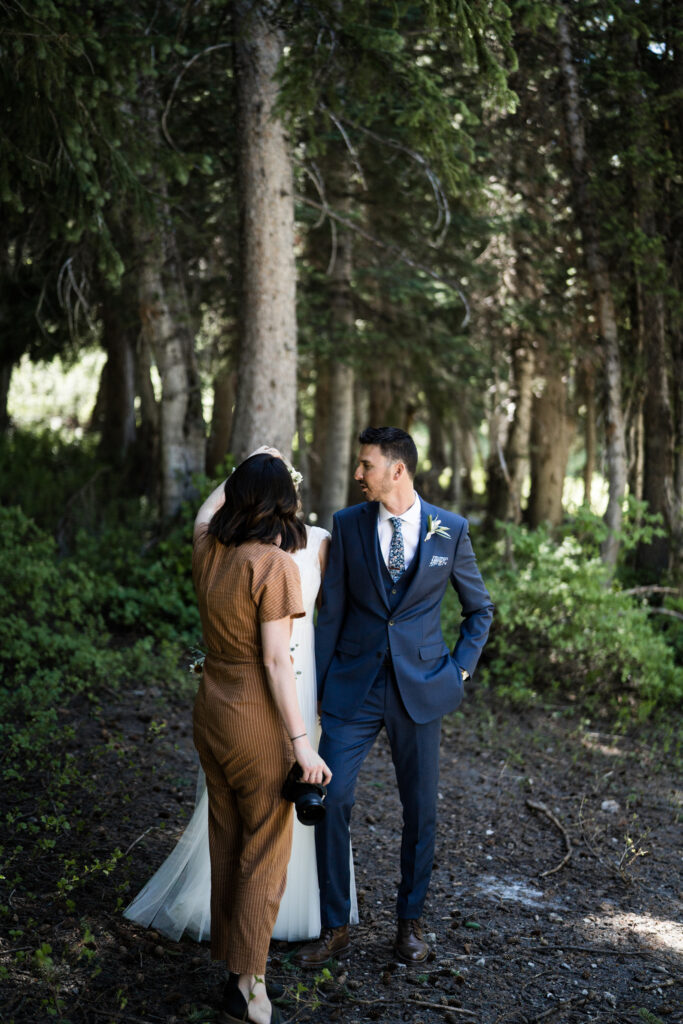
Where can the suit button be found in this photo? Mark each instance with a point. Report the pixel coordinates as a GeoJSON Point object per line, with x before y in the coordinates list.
{"type": "Point", "coordinates": [391, 622]}
{"type": "Point", "coordinates": [393, 590]}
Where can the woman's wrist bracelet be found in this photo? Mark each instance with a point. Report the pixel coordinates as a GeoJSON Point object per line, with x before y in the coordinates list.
{"type": "Point", "coordinates": [301, 734]}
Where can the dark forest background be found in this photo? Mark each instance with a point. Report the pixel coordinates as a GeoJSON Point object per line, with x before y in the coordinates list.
{"type": "Point", "coordinates": [280, 222]}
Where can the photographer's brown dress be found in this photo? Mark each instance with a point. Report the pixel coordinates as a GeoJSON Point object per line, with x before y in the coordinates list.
{"type": "Point", "coordinates": [242, 743]}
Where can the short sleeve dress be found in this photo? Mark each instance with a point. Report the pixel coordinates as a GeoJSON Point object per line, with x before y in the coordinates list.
{"type": "Point", "coordinates": [242, 742]}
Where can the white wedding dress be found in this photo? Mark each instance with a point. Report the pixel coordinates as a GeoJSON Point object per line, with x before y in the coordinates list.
{"type": "Point", "coordinates": [176, 900]}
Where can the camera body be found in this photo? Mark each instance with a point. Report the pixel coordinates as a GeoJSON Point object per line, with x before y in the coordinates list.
{"type": "Point", "coordinates": [307, 797]}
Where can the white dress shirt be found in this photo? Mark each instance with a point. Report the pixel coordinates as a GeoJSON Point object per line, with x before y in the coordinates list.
{"type": "Point", "coordinates": [410, 528]}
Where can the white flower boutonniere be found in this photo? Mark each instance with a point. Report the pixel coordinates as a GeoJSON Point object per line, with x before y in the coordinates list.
{"type": "Point", "coordinates": [434, 527]}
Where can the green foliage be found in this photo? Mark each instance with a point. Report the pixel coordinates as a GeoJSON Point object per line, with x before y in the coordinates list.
{"type": "Point", "coordinates": [563, 630]}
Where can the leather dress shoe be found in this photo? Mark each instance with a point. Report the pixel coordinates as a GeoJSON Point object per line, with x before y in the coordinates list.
{"type": "Point", "coordinates": [410, 946]}
{"type": "Point", "coordinates": [332, 942]}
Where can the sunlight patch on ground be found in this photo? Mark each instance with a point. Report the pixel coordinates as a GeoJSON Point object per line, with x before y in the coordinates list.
{"type": "Point", "coordinates": [517, 892]}
{"type": "Point", "coordinates": [657, 932]}
{"type": "Point", "coordinates": [599, 741]}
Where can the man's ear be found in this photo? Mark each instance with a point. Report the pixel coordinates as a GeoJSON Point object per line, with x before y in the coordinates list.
{"type": "Point", "coordinates": [399, 470]}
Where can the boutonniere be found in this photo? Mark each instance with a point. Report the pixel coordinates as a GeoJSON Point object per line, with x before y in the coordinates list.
{"type": "Point", "coordinates": [434, 527]}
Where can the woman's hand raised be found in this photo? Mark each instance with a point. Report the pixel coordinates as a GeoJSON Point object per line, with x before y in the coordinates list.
{"type": "Point", "coordinates": [313, 767]}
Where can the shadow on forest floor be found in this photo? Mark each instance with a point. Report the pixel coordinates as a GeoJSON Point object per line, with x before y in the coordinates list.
{"type": "Point", "coordinates": [515, 936]}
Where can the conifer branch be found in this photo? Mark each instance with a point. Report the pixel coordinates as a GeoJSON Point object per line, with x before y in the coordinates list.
{"type": "Point", "coordinates": [393, 250]}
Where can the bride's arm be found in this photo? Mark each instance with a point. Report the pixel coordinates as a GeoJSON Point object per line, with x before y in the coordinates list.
{"type": "Point", "coordinates": [275, 639]}
{"type": "Point", "coordinates": [323, 556]}
{"type": "Point", "coordinates": [209, 508]}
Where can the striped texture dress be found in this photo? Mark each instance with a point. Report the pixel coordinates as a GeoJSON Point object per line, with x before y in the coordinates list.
{"type": "Point", "coordinates": [242, 743]}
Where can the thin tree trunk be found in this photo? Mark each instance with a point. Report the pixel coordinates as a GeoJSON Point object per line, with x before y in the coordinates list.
{"type": "Point", "coordinates": [339, 436]}
{"type": "Point", "coordinates": [658, 462]}
{"type": "Point", "coordinates": [549, 442]}
{"type": "Point", "coordinates": [116, 400]}
{"type": "Point", "coordinates": [221, 418]}
{"type": "Point", "coordinates": [587, 375]}
{"type": "Point", "coordinates": [165, 323]}
{"type": "Point", "coordinates": [265, 410]}
{"type": "Point", "coordinates": [600, 280]}
{"type": "Point", "coordinates": [5, 381]}
{"type": "Point", "coordinates": [321, 412]}
{"type": "Point", "coordinates": [517, 448]}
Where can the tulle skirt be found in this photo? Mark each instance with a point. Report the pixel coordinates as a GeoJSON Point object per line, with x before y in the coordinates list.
{"type": "Point", "coordinates": [177, 899]}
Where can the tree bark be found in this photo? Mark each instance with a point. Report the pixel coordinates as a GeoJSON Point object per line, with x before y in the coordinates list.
{"type": "Point", "coordinates": [265, 410]}
{"type": "Point", "coordinates": [517, 448]}
{"type": "Point", "coordinates": [116, 400]}
{"type": "Point", "coordinates": [165, 324]}
{"type": "Point", "coordinates": [549, 441]}
{"type": "Point", "coordinates": [587, 385]}
{"type": "Point", "coordinates": [221, 418]}
{"type": "Point", "coordinates": [5, 381]}
{"type": "Point", "coordinates": [339, 434]}
{"type": "Point", "coordinates": [600, 280]}
{"type": "Point", "coordinates": [658, 463]}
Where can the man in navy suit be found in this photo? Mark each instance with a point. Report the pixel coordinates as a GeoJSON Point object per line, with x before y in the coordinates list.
{"type": "Point", "coordinates": [382, 661]}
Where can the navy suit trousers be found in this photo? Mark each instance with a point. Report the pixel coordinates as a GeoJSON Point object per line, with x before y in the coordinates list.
{"type": "Point", "coordinates": [415, 753]}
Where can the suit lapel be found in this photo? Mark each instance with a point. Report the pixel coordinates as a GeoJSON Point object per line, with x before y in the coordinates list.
{"type": "Point", "coordinates": [367, 526]}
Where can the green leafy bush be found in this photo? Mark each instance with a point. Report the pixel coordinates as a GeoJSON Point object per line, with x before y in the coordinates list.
{"type": "Point", "coordinates": [562, 628]}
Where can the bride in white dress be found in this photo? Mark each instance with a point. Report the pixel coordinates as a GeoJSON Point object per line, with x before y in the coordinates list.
{"type": "Point", "coordinates": [176, 900]}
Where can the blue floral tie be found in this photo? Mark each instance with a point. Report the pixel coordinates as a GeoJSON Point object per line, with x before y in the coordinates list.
{"type": "Point", "coordinates": [397, 558]}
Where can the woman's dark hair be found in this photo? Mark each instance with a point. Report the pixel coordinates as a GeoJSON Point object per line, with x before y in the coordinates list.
{"type": "Point", "coordinates": [261, 503]}
{"type": "Point", "coordinates": [394, 443]}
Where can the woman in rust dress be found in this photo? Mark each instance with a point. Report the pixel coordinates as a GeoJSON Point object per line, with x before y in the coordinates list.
{"type": "Point", "coordinates": [248, 728]}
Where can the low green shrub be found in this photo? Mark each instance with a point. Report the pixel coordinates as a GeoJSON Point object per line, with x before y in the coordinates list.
{"type": "Point", "coordinates": [563, 629]}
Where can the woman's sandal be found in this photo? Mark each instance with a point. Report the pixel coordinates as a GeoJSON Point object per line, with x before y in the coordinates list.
{"type": "Point", "coordinates": [274, 990]}
{"type": "Point", "coordinates": [235, 1008]}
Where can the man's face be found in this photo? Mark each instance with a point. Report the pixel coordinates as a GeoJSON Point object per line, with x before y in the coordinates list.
{"type": "Point", "coordinates": [374, 473]}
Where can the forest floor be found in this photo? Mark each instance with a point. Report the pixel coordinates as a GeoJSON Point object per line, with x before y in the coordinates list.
{"type": "Point", "coordinates": [556, 892]}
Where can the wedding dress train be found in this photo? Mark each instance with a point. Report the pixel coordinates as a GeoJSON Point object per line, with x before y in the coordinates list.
{"type": "Point", "coordinates": [176, 900]}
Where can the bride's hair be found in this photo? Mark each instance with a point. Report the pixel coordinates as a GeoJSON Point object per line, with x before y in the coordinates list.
{"type": "Point", "coordinates": [261, 503]}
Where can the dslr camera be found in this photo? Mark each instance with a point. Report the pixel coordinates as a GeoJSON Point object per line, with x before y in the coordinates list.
{"type": "Point", "coordinates": [307, 797]}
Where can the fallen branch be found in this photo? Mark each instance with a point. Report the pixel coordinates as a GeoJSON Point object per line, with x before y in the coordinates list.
{"type": "Point", "coordinates": [136, 841]}
{"type": "Point", "coordinates": [536, 805]}
{"type": "Point", "coordinates": [440, 1006]}
{"type": "Point", "coordinates": [561, 1005]}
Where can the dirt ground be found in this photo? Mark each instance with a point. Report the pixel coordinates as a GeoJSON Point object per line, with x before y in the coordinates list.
{"type": "Point", "coordinates": [556, 892]}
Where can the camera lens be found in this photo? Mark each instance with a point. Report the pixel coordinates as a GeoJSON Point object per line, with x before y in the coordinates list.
{"type": "Point", "coordinates": [309, 808]}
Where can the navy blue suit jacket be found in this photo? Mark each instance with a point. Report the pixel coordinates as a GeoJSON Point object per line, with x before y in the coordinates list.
{"type": "Point", "coordinates": [356, 626]}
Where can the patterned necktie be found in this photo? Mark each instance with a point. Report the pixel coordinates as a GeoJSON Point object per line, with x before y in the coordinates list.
{"type": "Point", "coordinates": [397, 558]}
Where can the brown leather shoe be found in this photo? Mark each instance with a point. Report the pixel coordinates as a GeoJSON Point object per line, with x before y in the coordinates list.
{"type": "Point", "coordinates": [410, 946]}
{"type": "Point", "coordinates": [332, 942]}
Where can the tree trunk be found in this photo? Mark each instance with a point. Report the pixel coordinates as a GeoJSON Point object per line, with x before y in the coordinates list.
{"type": "Point", "coordinates": [5, 381]}
{"type": "Point", "coordinates": [549, 442]}
{"type": "Point", "coordinates": [221, 418]}
{"type": "Point", "coordinates": [587, 388]}
{"type": "Point", "coordinates": [380, 396]}
{"type": "Point", "coordinates": [517, 448]}
{"type": "Point", "coordinates": [339, 435]}
{"type": "Point", "coordinates": [600, 281]}
{"type": "Point", "coordinates": [265, 410]}
{"type": "Point", "coordinates": [116, 401]}
{"type": "Point", "coordinates": [165, 323]}
{"type": "Point", "coordinates": [658, 468]}
{"type": "Point", "coordinates": [145, 471]}
{"type": "Point", "coordinates": [316, 453]}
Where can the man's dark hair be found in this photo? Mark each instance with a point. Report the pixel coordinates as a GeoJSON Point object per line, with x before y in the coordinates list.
{"type": "Point", "coordinates": [260, 503]}
{"type": "Point", "coordinates": [394, 443]}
